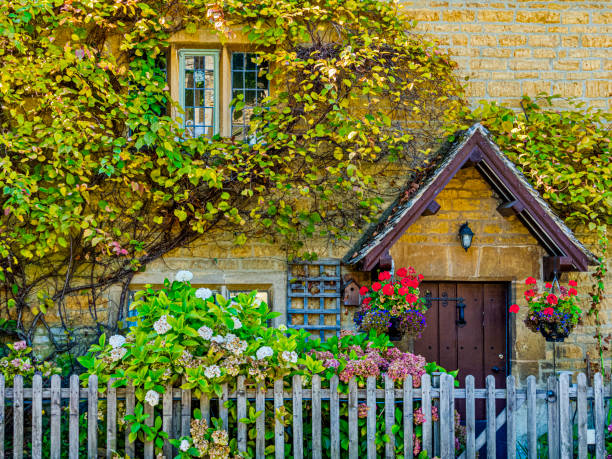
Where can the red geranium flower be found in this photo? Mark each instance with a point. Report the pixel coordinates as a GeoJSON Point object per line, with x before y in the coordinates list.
{"type": "Point", "coordinates": [402, 272]}
{"type": "Point", "coordinates": [403, 291]}
{"type": "Point", "coordinates": [388, 289]}
{"type": "Point", "coordinates": [376, 286]}
{"type": "Point", "coordinates": [514, 308]}
{"type": "Point", "coordinates": [529, 293]}
{"type": "Point", "coordinates": [421, 277]}
{"type": "Point", "coordinates": [548, 285]}
{"type": "Point", "coordinates": [572, 292]}
{"type": "Point", "coordinates": [572, 283]}
{"type": "Point", "coordinates": [548, 311]}
{"type": "Point", "coordinates": [363, 290]}
{"type": "Point", "coordinates": [552, 299]}
{"type": "Point", "coordinates": [367, 300]}
{"type": "Point", "coordinates": [530, 280]}
{"type": "Point", "coordinates": [410, 282]}
{"type": "Point", "coordinates": [411, 298]}
{"type": "Point", "coordinates": [384, 276]}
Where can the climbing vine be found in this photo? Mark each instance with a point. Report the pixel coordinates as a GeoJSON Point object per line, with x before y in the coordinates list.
{"type": "Point", "coordinates": [99, 180]}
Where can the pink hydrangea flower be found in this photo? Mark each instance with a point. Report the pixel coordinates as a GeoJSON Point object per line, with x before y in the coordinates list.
{"type": "Point", "coordinates": [20, 345]}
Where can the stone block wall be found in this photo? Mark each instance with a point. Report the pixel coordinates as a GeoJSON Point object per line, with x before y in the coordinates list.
{"type": "Point", "coordinates": [510, 48]}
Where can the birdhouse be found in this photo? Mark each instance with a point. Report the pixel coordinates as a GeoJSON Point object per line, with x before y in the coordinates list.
{"type": "Point", "coordinates": [351, 293]}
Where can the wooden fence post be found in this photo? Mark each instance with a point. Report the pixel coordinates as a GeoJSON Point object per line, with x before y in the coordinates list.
{"type": "Point", "coordinates": [491, 415]}
{"type": "Point", "coordinates": [298, 432]}
{"type": "Point", "coordinates": [167, 419]}
{"type": "Point", "coordinates": [55, 418]}
{"type": "Point", "coordinates": [426, 410]}
{"type": "Point", "coordinates": [111, 419]}
{"type": "Point", "coordinates": [532, 433]}
{"type": "Point", "coordinates": [408, 417]}
{"type": "Point", "coordinates": [130, 402]}
{"type": "Point", "coordinates": [18, 417]}
{"type": "Point", "coordinates": [581, 401]}
{"type": "Point", "coordinates": [37, 417]}
{"type": "Point", "coordinates": [511, 417]}
{"type": "Point", "coordinates": [553, 417]}
{"type": "Point", "coordinates": [371, 419]}
{"type": "Point", "coordinates": [92, 416]}
{"type": "Point", "coordinates": [317, 452]}
{"type": "Point", "coordinates": [279, 429]}
{"type": "Point", "coordinates": [389, 417]}
{"type": "Point", "coordinates": [446, 449]}
{"type": "Point", "coordinates": [565, 423]}
{"type": "Point", "coordinates": [260, 424]}
{"type": "Point", "coordinates": [149, 447]}
{"type": "Point", "coordinates": [334, 414]}
{"type": "Point", "coordinates": [223, 414]}
{"type": "Point", "coordinates": [241, 413]}
{"type": "Point", "coordinates": [353, 420]}
{"type": "Point", "coordinates": [470, 418]}
{"type": "Point", "coordinates": [599, 414]}
{"type": "Point", "coordinates": [73, 443]}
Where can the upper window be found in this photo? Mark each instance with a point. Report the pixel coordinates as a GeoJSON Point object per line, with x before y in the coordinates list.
{"type": "Point", "coordinates": [248, 82]}
{"type": "Point", "coordinates": [199, 91]}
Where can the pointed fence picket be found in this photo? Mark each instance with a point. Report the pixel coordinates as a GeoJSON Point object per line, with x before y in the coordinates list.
{"type": "Point", "coordinates": [569, 408]}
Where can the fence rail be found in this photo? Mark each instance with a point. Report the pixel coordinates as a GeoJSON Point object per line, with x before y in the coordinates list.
{"type": "Point", "coordinates": [568, 408]}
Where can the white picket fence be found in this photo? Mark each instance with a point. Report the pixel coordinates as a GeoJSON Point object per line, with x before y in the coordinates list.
{"type": "Point", "coordinates": [176, 411]}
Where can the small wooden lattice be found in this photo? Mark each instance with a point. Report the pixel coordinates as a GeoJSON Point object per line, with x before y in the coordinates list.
{"type": "Point", "coordinates": [313, 296]}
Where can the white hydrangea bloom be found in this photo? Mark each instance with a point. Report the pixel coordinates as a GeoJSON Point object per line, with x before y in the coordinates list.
{"type": "Point", "coordinates": [203, 293]}
{"type": "Point", "coordinates": [237, 323]}
{"type": "Point", "coordinates": [152, 398]}
{"type": "Point", "coordinates": [264, 352]}
{"type": "Point", "coordinates": [162, 326]}
{"type": "Point", "coordinates": [117, 353]}
{"type": "Point", "coordinates": [289, 356]}
{"type": "Point", "coordinates": [230, 337]}
{"type": "Point", "coordinates": [212, 371]}
{"type": "Point", "coordinates": [218, 339]}
{"type": "Point", "coordinates": [116, 341]}
{"type": "Point", "coordinates": [282, 327]}
{"type": "Point", "coordinates": [183, 276]}
{"type": "Point", "coordinates": [205, 332]}
{"type": "Point", "coordinates": [184, 446]}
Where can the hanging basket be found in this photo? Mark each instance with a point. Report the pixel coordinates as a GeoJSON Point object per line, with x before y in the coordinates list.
{"type": "Point", "coordinates": [395, 332]}
{"type": "Point", "coordinates": [553, 333]}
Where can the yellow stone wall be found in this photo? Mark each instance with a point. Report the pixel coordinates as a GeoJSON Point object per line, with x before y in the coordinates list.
{"type": "Point", "coordinates": [524, 47]}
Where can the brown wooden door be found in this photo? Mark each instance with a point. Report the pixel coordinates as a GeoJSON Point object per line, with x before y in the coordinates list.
{"type": "Point", "coordinates": [479, 347]}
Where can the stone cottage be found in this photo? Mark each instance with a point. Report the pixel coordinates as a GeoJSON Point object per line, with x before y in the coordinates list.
{"type": "Point", "coordinates": [506, 49]}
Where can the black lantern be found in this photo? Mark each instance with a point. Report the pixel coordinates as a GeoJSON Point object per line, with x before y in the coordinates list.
{"type": "Point", "coordinates": [465, 236]}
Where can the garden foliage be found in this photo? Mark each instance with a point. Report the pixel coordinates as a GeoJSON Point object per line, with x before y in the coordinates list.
{"type": "Point", "coordinates": [186, 337]}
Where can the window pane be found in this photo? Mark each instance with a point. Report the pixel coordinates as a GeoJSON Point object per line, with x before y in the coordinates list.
{"type": "Point", "coordinates": [247, 82]}
{"type": "Point", "coordinates": [199, 83]}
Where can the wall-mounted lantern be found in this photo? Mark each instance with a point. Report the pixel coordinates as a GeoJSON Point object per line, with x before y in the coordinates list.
{"type": "Point", "coordinates": [465, 236]}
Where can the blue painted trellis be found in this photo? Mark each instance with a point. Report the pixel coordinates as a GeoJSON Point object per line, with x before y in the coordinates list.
{"type": "Point", "coordinates": [313, 296]}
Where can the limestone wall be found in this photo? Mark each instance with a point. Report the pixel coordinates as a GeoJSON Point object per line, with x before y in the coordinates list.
{"type": "Point", "coordinates": [509, 48]}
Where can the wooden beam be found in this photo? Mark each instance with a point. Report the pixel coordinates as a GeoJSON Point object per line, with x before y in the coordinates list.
{"type": "Point", "coordinates": [508, 209]}
{"type": "Point", "coordinates": [553, 264]}
{"type": "Point", "coordinates": [432, 208]}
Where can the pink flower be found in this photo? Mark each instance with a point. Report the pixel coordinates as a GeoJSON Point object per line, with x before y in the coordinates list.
{"type": "Point", "coordinates": [530, 280]}
{"type": "Point", "coordinates": [548, 311]}
{"type": "Point", "coordinates": [529, 293]}
{"type": "Point", "coordinates": [19, 345]}
{"type": "Point", "coordinates": [514, 308]}
{"type": "Point", "coordinates": [552, 299]}
{"type": "Point", "coordinates": [572, 283]}
{"type": "Point", "coordinates": [362, 410]}
{"type": "Point", "coordinates": [572, 292]}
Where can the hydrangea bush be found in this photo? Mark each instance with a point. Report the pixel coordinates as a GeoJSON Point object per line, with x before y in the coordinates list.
{"type": "Point", "coordinates": [191, 338]}
{"type": "Point", "coordinates": [20, 361]}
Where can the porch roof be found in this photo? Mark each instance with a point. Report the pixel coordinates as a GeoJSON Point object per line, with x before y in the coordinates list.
{"type": "Point", "coordinates": [473, 147]}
